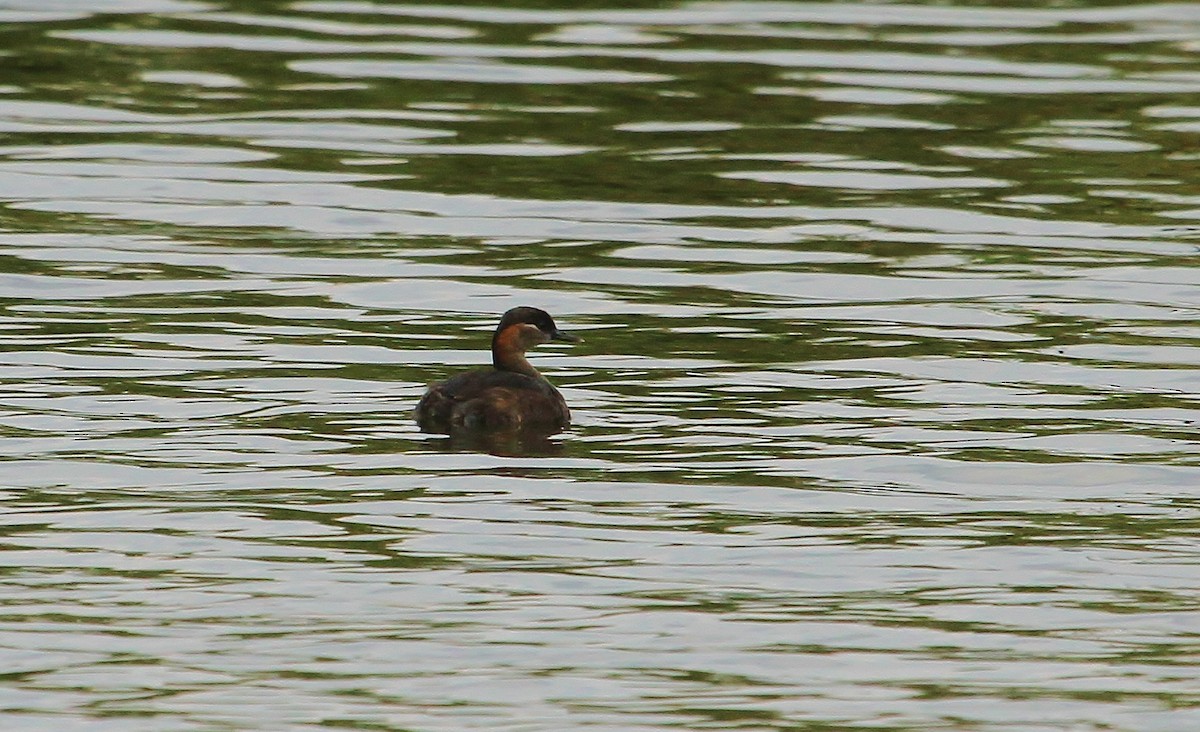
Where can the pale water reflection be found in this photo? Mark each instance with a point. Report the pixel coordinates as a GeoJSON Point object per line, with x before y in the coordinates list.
{"type": "Point", "coordinates": [886, 417]}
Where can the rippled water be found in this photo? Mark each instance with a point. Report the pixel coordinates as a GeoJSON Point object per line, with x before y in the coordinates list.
{"type": "Point", "coordinates": [886, 418]}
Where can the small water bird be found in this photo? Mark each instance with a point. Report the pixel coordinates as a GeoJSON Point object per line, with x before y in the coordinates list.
{"type": "Point", "coordinates": [511, 395]}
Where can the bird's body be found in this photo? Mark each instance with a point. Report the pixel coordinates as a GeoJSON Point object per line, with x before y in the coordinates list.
{"type": "Point", "coordinates": [512, 395]}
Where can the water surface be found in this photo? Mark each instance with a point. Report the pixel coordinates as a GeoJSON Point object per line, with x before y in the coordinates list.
{"type": "Point", "coordinates": [886, 417]}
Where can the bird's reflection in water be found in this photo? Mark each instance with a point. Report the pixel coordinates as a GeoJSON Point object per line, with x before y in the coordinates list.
{"type": "Point", "coordinates": [501, 443]}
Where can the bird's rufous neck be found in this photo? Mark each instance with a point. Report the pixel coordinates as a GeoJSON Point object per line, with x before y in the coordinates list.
{"type": "Point", "coordinates": [508, 353]}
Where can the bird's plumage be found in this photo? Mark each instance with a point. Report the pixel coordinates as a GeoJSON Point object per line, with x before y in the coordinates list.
{"type": "Point", "coordinates": [512, 395]}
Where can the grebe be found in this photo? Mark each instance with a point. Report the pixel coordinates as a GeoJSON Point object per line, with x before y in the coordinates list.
{"type": "Point", "coordinates": [509, 396]}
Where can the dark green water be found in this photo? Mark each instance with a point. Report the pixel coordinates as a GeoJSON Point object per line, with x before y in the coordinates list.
{"type": "Point", "coordinates": [886, 417]}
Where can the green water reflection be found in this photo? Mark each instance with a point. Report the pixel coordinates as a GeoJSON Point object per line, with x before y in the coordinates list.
{"type": "Point", "coordinates": [886, 416]}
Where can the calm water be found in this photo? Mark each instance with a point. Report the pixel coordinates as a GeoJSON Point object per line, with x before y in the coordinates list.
{"type": "Point", "coordinates": [886, 418]}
